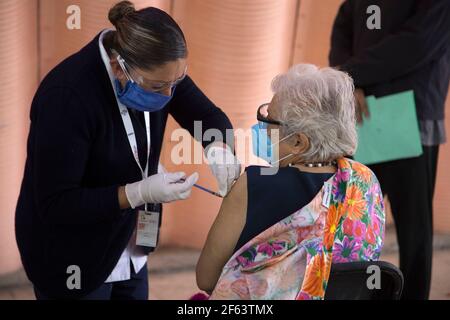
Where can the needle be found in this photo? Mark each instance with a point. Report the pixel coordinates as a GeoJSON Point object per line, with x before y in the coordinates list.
{"type": "Point", "coordinates": [207, 190]}
{"type": "Point", "coordinates": [203, 188]}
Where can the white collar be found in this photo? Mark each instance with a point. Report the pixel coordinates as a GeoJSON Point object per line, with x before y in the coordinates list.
{"type": "Point", "coordinates": [106, 59]}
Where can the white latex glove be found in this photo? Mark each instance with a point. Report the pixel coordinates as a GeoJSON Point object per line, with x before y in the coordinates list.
{"type": "Point", "coordinates": [161, 168]}
{"type": "Point", "coordinates": [160, 188]}
{"type": "Point", "coordinates": [224, 166]}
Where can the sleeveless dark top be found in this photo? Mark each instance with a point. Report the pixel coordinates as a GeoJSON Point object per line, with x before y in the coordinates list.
{"type": "Point", "coordinates": [271, 198]}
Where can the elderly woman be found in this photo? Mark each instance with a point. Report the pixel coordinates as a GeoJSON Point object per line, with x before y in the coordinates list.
{"type": "Point", "coordinates": [277, 232]}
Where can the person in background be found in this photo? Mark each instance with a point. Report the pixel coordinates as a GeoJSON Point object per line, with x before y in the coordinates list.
{"type": "Point", "coordinates": [97, 127]}
{"type": "Point", "coordinates": [277, 234]}
{"type": "Point", "coordinates": [409, 51]}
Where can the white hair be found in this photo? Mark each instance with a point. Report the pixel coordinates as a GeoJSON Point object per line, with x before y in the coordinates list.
{"type": "Point", "coordinates": [320, 104]}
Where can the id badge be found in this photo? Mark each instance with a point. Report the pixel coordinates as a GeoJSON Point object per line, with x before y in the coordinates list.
{"type": "Point", "coordinates": [147, 229]}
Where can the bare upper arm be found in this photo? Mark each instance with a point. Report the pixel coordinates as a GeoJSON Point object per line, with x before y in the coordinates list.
{"type": "Point", "coordinates": [223, 235]}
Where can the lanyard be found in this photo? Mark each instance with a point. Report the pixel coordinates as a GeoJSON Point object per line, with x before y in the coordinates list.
{"type": "Point", "coordinates": [126, 116]}
{"type": "Point", "coordinates": [132, 137]}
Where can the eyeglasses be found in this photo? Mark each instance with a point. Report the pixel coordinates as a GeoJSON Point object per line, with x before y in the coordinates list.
{"type": "Point", "coordinates": [263, 115]}
{"type": "Point", "coordinates": [157, 85]}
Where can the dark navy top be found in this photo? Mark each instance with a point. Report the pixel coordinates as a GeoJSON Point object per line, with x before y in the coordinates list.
{"type": "Point", "coordinates": [271, 198]}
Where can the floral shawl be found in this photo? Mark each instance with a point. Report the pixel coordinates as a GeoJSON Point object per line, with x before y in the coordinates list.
{"type": "Point", "coordinates": [292, 259]}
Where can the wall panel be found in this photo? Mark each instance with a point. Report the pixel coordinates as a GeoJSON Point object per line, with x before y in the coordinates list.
{"type": "Point", "coordinates": [18, 64]}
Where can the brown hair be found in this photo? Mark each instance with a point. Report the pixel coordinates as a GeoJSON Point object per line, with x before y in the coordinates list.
{"type": "Point", "coordinates": [146, 38]}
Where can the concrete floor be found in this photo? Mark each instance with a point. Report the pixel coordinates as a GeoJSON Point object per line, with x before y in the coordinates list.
{"type": "Point", "coordinates": [172, 272]}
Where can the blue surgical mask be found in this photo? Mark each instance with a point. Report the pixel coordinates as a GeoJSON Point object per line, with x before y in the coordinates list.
{"type": "Point", "coordinates": [133, 96]}
{"type": "Point", "coordinates": [263, 146]}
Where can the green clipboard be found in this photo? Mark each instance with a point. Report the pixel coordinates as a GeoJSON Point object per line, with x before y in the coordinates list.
{"type": "Point", "coordinates": [392, 130]}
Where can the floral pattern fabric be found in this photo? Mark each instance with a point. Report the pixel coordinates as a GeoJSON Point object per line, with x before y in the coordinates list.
{"type": "Point", "coordinates": [292, 259]}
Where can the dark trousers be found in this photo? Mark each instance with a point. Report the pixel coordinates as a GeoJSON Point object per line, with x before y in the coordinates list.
{"type": "Point", "coordinates": [409, 184]}
{"type": "Point", "coordinates": [134, 289]}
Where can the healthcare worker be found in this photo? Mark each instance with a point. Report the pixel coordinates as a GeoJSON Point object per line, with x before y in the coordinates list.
{"type": "Point", "coordinates": [91, 174]}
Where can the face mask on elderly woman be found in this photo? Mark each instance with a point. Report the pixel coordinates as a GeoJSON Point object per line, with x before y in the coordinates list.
{"type": "Point", "coordinates": [263, 146]}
